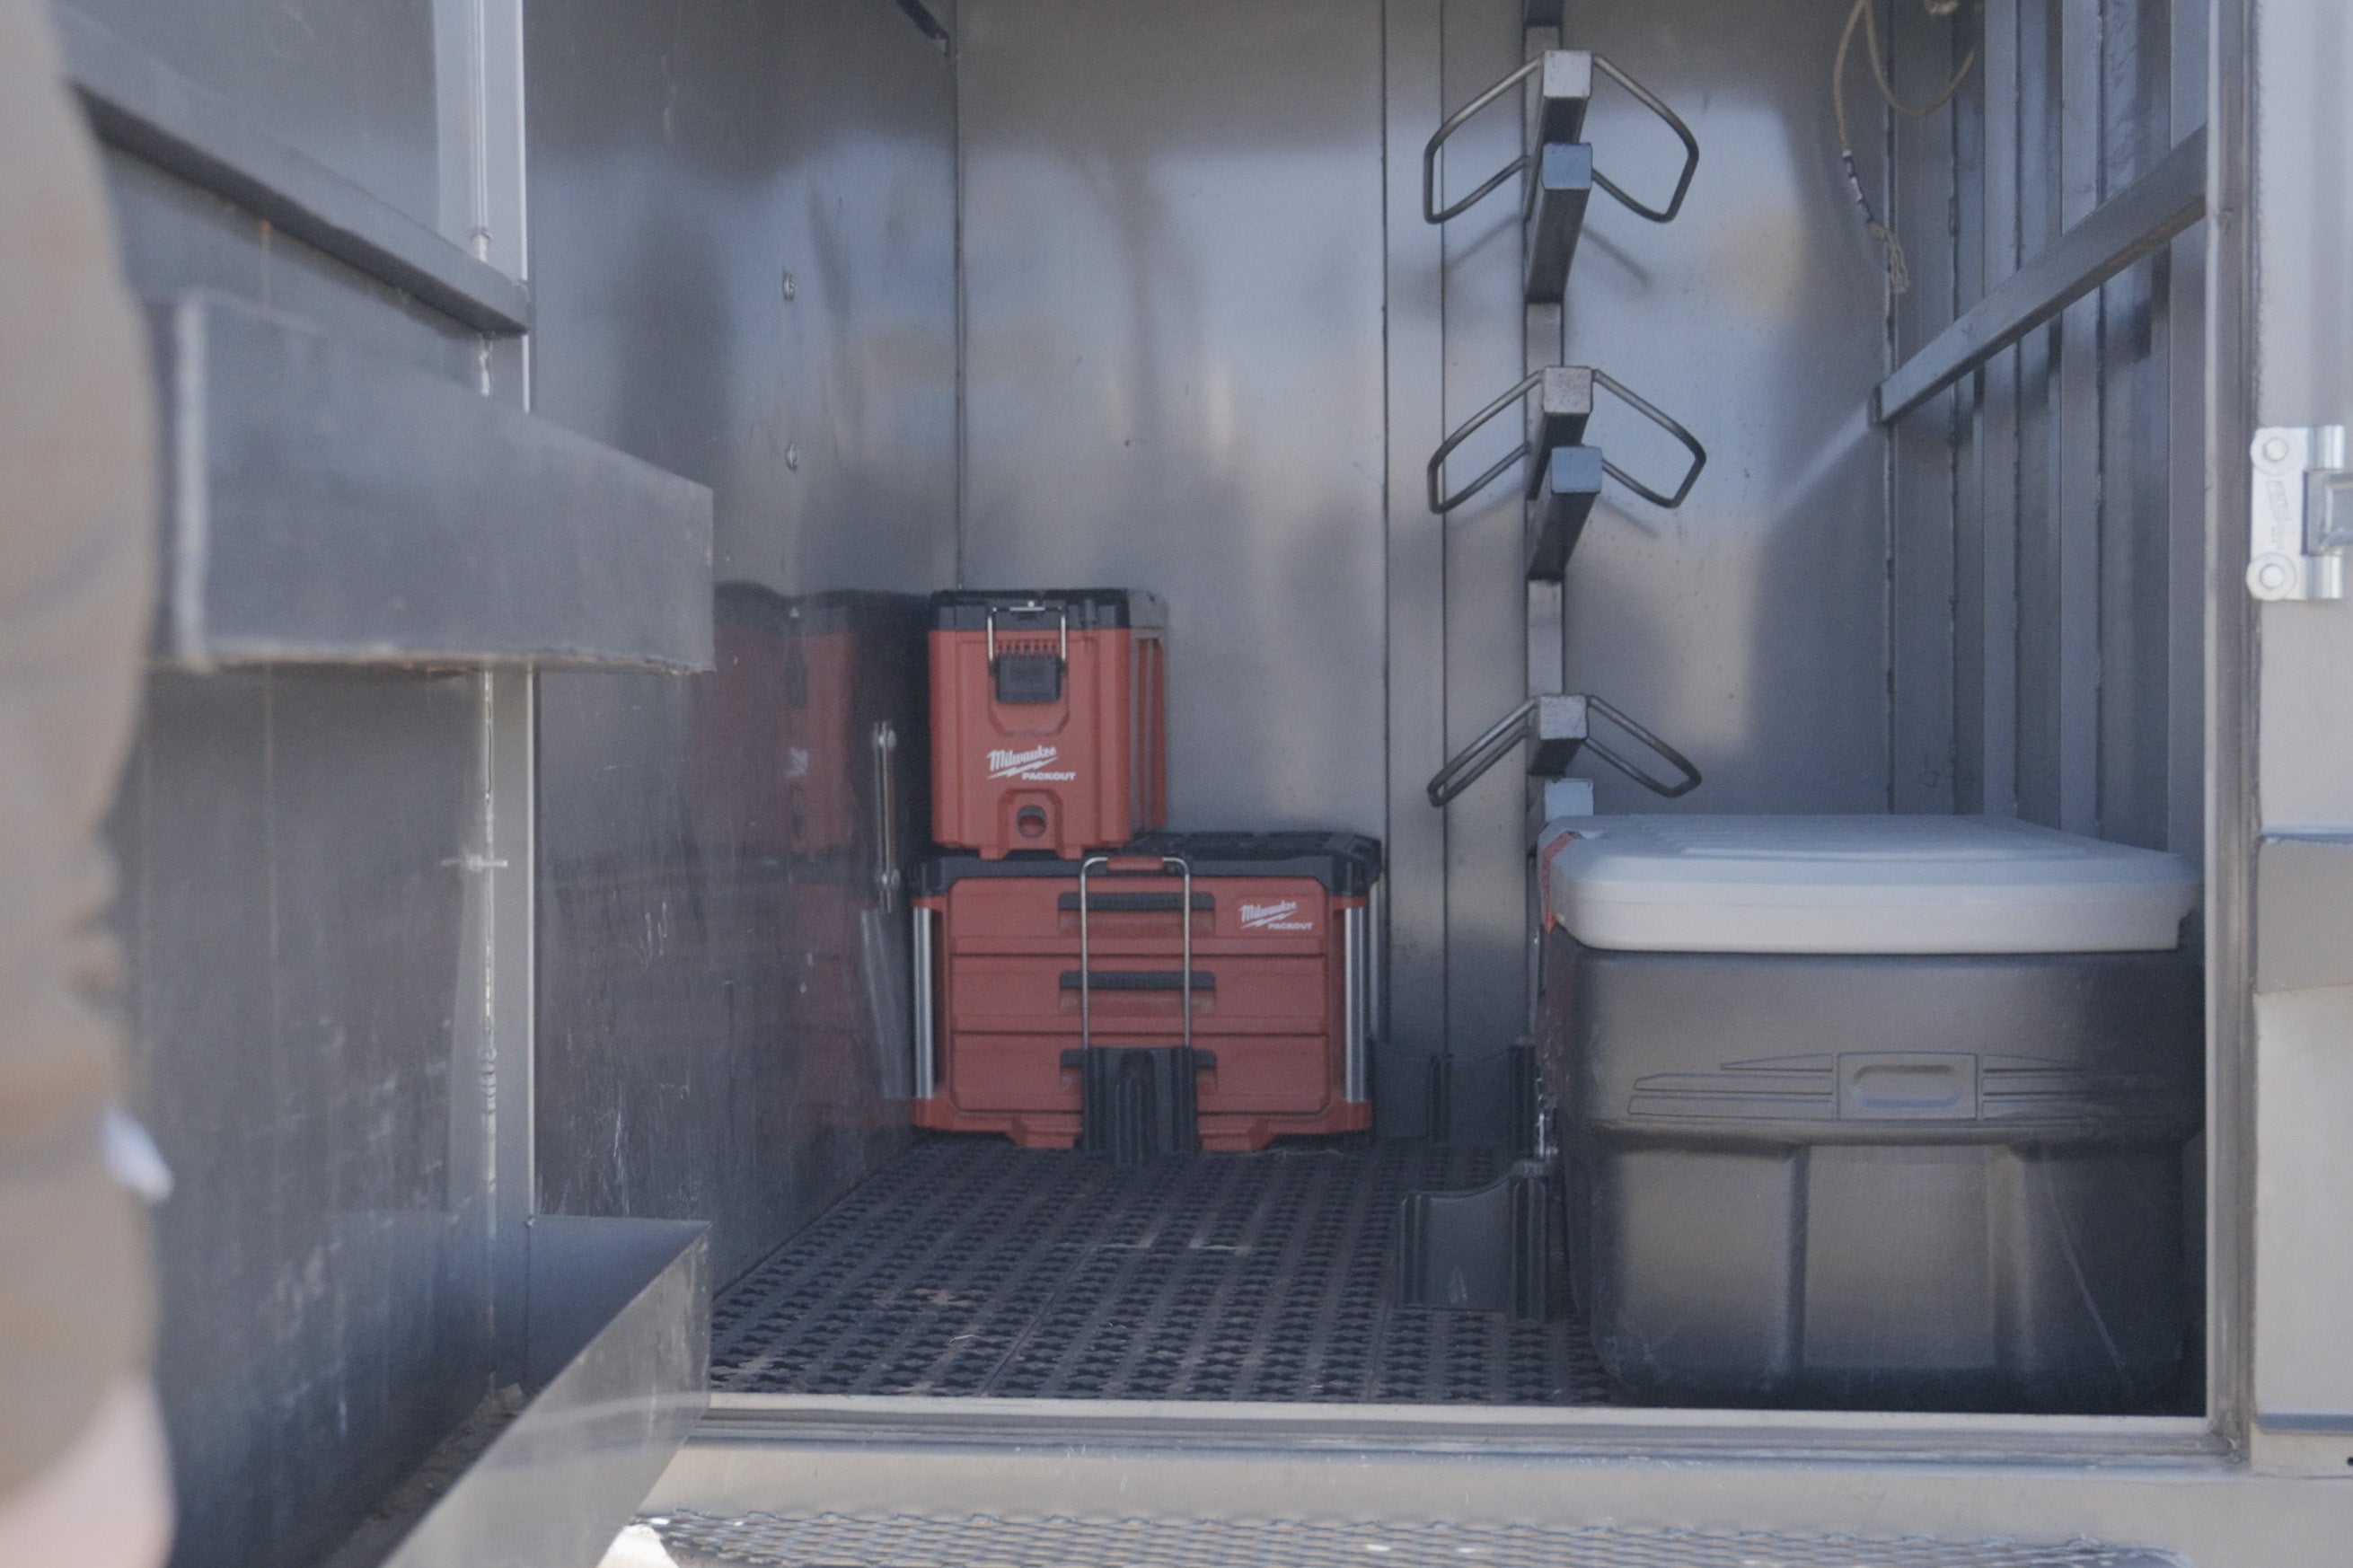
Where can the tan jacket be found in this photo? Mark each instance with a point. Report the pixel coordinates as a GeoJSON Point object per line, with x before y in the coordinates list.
{"type": "Point", "coordinates": [77, 484]}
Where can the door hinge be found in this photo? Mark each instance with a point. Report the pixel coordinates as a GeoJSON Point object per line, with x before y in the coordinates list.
{"type": "Point", "coordinates": [2301, 522]}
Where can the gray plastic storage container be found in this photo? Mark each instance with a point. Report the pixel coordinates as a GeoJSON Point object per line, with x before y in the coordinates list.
{"type": "Point", "coordinates": [1812, 1159]}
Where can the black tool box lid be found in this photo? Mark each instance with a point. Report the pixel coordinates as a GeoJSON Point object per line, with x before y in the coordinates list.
{"type": "Point", "coordinates": [1090, 609]}
{"type": "Point", "coordinates": [1347, 864]}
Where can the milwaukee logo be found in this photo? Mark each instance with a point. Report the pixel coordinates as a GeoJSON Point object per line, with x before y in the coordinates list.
{"type": "Point", "coordinates": [1274, 917]}
{"type": "Point", "coordinates": [1030, 765]}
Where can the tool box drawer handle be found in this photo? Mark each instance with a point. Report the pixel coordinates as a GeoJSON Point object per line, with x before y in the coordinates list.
{"type": "Point", "coordinates": [1137, 980]}
{"type": "Point", "coordinates": [1138, 903]}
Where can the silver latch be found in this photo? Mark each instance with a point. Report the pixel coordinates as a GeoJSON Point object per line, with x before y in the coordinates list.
{"type": "Point", "coordinates": [2302, 513]}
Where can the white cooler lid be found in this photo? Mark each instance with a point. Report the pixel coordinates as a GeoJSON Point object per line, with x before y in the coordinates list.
{"type": "Point", "coordinates": [1856, 884]}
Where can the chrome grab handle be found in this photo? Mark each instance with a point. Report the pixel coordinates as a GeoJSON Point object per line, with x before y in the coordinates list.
{"type": "Point", "coordinates": [1651, 101]}
{"type": "Point", "coordinates": [1435, 474]}
{"type": "Point", "coordinates": [1690, 444]}
{"type": "Point", "coordinates": [1467, 766]}
{"type": "Point", "coordinates": [1433, 213]}
{"type": "Point", "coordinates": [926, 1029]}
{"type": "Point", "coordinates": [1355, 1080]}
{"type": "Point", "coordinates": [888, 877]}
{"type": "Point", "coordinates": [1168, 863]}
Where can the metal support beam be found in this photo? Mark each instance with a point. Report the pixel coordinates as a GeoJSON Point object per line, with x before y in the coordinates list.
{"type": "Point", "coordinates": [155, 114]}
{"type": "Point", "coordinates": [2134, 224]}
{"type": "Point", "coordinates": [1556, 217]}
{"type": "Point", "coordinates": [1564, 404]}
{"type": "Point", "coordinates": [1571, 483]}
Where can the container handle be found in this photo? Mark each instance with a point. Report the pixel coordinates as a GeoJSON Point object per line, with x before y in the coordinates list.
{"type": "Point", "coordinates": [1651, 101]}
{"type": "Point", "coordinates": [1030, 607]}
{"type": "Point", "coordinates": [1176, 863]}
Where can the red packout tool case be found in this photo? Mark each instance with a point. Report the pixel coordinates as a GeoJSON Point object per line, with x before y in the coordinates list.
{"type": "Point", "coordinates": [1021, 970]}
{"type": "Point", "coordinates": [1049, 719]}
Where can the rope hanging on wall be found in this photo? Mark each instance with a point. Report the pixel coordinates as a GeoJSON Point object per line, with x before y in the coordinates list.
{"type": "Point", "coordinates": [1899, 275]}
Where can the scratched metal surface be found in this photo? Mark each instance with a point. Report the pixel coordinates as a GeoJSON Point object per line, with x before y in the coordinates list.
{"type": "Point", "coordinates": [723, 994]}
{"type": "Point", "coordinates": [291, 909]}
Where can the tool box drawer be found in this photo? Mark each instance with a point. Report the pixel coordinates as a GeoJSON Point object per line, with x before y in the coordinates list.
{"type": "Point", "coordinates": [1138, 997]}
{"type": "Point", "coordinates": [1138, 914]}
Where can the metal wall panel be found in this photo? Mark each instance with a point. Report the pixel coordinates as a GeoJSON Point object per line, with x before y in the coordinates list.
{"type": "Point", "coordinates": [684, 161]}
{"type": "Point", "coordinates": [1414, 929]}
{"type": "Point", "coordinates": [295, 926]}
{"type": "Point", "coordinates": [1173, 365]}
{"type": "Point", "coordinates": [292, 847]}
{"type": "Point", "coordinates": [2075, 625]}
{"type": "Point", "coordinates": [348, 82]}
{"type": "Point", "coordinates": [1749, 627]}
{"type": "Point", "coordinates": [721, 1002]}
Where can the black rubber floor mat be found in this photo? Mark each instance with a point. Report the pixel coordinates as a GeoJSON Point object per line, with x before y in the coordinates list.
{"type": "Point", "coordinates": [969, 1267]}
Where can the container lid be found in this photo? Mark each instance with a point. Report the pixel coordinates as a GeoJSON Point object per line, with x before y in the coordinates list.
{"type": "Point", "coordinates": [1856, 885]}
{"type": "Point", "coordinates": [1090, 609]}
{"type": "Point", "coordinates": [1347, 864]}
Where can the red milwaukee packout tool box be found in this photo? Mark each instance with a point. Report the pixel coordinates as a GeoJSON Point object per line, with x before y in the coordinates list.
{"type": "Point", "coordinates": [1049, 719]}
{"type": "Point", "coordinates": [1021, 963]}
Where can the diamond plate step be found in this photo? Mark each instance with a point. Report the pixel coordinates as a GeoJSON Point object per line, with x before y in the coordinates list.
{"type": "Point", "coordinates": [910, 1541]}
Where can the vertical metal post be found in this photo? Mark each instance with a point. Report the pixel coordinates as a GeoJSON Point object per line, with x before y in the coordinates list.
{"type": "Point", "coordinates": [926, 1048]}
{"type": "Point", "coordinates": [1185, 922]}
{"type": "Point", "coordinates": [479, 83]}
{"type": "Point", "coordinates": [511, 853]}
{"type": "Point", "coordinates": [1351, 989]}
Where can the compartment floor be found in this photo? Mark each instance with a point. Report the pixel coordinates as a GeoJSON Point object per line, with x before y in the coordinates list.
{"type": "Point", "coordinates": [970, 1266]}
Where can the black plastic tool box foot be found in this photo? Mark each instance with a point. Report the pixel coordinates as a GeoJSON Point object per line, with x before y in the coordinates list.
{"type": "Point", "coordinates": [1139, 1101]}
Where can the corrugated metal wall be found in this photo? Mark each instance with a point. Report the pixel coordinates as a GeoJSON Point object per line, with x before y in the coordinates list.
{"type": "Point", "coordinates": [2048, 532]}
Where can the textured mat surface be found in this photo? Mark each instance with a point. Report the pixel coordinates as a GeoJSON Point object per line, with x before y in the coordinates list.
{"type": "Point", "coordinates": [969, 1267]}
{"type": "Point", "coordinates": [908, 1540]}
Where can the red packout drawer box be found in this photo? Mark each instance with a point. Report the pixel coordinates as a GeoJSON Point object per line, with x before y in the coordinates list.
{"type": "Point", "coordinates": [1049, 719]}
{"type": "Point", "coordinates": [1017, 966]}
